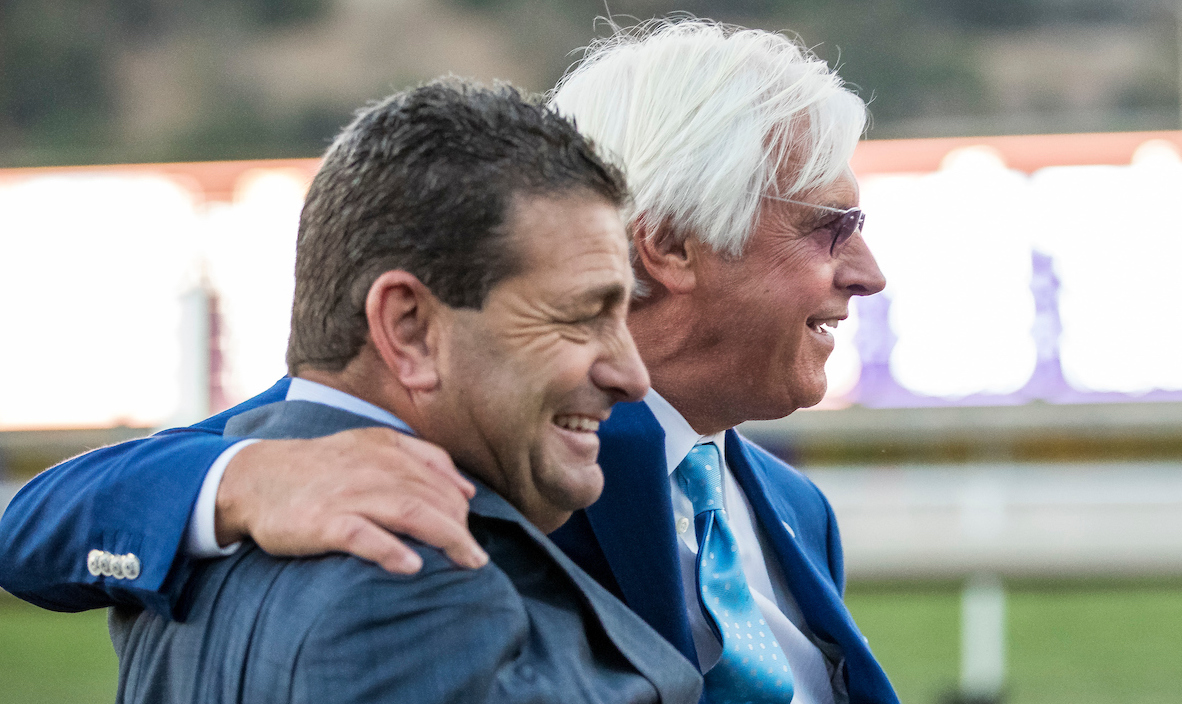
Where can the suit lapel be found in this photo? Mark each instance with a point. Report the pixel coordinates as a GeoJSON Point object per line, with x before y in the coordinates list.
{"type": "Point", "coordinates": [633, 522]}
{"type": "Point", "coordinates": [814, 592]}
{"type": "Point", "coordinates": [668, 672]}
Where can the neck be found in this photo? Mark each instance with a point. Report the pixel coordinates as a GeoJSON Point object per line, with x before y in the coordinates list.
{"type": "Point", "coordinates": [369, 383]}
{"type": "Point", "coordinates": [369, 379]}
{"type": "Point", "coordinates": [683, 361]}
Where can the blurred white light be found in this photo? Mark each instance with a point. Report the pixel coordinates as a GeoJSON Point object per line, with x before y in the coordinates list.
{"type": "Point", "coordinates": [90, 270]}
{"type": "Point", "coordinates": [92, 267]}
{"type": "Point", "coordinates": [1117, 246]}
{"type": "Point", "coordinates": [250, 249]}
{"type": "Point", "coordinates": [955, 248]}
{"type": "Point", "coordinates": [1156, 151]}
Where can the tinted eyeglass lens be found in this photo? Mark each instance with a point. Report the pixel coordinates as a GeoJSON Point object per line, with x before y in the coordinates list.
{"type": "Point", "coordinates": [846, 226]}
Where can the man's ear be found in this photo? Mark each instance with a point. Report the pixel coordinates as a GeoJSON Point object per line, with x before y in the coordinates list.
{"type": "Point", "coordinates": [403, 318]}
{"type": "Point", "coordinates": [667, 259]}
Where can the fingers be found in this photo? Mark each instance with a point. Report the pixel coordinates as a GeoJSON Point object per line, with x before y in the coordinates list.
{"type": "Point", "coordinates": [437, 460]}
{"type": "Point", "coordinates": [354, 535]}
{"type": "Point", "coordinates": [350, 492]}
{"type": "Point", "coordinates": [425, 523]}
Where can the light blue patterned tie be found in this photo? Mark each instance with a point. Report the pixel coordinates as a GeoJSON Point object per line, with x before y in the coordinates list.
{"type": "Point", "coordinates": [752, 667]}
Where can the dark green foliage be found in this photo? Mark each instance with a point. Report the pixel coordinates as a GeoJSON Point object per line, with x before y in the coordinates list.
{"type": "Point", "coordinates": [59, 82]}
{"type": "Point", "coordinates": [63, 79]}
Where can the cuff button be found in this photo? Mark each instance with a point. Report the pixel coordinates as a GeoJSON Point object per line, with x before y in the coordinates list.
{"type": "Point", "coordinates": [92, 562]}
{"type": "Point", "coordinates": [131, 566]}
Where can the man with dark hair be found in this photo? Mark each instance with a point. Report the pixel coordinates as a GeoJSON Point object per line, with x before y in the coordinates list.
{"type": "Point", "coordinates": [461, 275]}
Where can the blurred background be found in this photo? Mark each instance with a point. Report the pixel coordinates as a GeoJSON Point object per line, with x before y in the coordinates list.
{"type": "Point", "coordinates": [1002, 440]}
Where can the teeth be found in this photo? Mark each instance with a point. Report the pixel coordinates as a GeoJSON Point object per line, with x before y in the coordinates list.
{"type": "Point", "coordinates": [580, 423]}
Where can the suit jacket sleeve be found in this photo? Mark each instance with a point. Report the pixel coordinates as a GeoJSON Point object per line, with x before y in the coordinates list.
{"type": "Point", "coordinates": [134, 497]}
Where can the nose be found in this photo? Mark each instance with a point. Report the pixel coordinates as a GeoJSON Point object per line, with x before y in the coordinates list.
{"type": "Point", "coordinates": [619, 369]}
{"type": "Point", "coordinates": [857, 271]}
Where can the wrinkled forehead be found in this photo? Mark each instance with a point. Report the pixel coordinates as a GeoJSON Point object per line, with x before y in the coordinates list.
{"type": "Point", "coordinates": [841, 192]}
{"type": "Point", "coordinates": [569, 239]}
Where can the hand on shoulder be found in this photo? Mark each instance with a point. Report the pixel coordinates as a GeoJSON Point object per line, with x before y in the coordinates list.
{"type": "Point", "coordinates": [351, 492]}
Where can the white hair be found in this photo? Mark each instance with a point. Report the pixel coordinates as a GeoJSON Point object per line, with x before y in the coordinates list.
{"type": "Point", "coordinates": [702, 117]}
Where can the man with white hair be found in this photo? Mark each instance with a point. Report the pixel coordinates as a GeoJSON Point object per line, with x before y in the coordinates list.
{"type": "Point", "coordinates": [746, 243]}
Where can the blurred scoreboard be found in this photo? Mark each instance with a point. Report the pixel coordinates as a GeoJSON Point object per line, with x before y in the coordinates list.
{"type": "Point", "coordinates": [1039, 268]}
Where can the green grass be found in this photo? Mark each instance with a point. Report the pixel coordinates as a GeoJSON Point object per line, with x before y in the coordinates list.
{"type": "Point", "coordinates": [50, 658]}
{"type": "Point", "coordinates": [1081, 644]}
{"type": "Point", "coordinates": [1067, 644]}
{"type": "Point", "coordinates": [1103, 645]}
{"type": "Point", "coordinates": [914, 635]}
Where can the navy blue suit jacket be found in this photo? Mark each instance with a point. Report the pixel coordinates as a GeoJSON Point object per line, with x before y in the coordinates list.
{"type": "Point", "coordinates": [118, 499]}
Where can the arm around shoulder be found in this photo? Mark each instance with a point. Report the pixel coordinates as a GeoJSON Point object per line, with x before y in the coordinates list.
{"type": "Point", "coordinates": [128, 499]}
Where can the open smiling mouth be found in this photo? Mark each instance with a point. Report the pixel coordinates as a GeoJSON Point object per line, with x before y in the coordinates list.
{"type": "Point", "coordinates": [581, 424]}
{"type": "Point", "coordinates": [823, 326]}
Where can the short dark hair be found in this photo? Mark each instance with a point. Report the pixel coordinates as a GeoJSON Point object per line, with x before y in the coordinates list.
{"type": "Point", "coordinates": [421, 181]}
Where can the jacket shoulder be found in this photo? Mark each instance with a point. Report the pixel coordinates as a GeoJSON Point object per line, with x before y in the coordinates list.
{"type": "Point", "coordinates": [382, 637]}
{"type": "Point", "coordinates": [328, 628]}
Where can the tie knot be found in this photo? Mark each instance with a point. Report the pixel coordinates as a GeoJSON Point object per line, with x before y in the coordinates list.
{"type": "Point", "coordinates": [700, 477]}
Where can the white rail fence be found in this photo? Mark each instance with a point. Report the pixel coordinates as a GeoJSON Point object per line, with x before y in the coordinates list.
{"type": "Point", "coordinates": [1028, 520]}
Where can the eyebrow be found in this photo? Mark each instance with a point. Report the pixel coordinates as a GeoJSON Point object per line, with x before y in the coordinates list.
{"type": "Point", "coordinates": [612, 292]}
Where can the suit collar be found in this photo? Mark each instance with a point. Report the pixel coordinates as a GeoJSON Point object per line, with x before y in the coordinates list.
{"type": "Point", "coordinates": [633, 522]}
{"type": "Point", "coordinates": [305, 390]}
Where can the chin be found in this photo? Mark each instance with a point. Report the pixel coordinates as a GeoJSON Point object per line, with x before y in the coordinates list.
{"type": "Point", "coordinates": [564, 490]}
{"type": "Point", "coordinates": [574, 488]}
{"type": "Point", "coordinates": [804, 394]}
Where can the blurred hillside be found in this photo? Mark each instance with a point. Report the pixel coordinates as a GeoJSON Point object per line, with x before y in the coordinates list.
{"type": "Point", "coordinates": [145, 80]}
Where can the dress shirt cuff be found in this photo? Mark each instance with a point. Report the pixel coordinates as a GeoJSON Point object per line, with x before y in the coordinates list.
{"type": "Point", "coordinates": [201, 540]}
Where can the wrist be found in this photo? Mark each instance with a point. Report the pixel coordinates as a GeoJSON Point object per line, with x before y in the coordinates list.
{"type": "Point", "coordinates": [230, 521]}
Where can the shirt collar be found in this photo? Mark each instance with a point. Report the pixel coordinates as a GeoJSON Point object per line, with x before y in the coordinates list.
{"type": "Point", "coordinates": [680, 438]}
{"type": "Point", "coordinates": [305, 390]}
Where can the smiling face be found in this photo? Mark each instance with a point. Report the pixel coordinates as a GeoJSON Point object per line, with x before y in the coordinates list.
{"type": "Point", "coordinates": [761, 317]}
{"type": "Point", "coordinates": [530, 376]}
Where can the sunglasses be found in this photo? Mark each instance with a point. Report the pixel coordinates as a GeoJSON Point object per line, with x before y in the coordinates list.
{"type": "Point", "coordinates": [843, 226]}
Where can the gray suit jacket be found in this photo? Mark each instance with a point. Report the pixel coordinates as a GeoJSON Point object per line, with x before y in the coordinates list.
{"type": "Point", "coordinates": [530, 626]}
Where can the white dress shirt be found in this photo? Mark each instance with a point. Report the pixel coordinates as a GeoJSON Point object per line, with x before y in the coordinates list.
{"type": "Point", "coordinates": [200, 539]}
{"type": "Point", "coordinates": [765, 578]}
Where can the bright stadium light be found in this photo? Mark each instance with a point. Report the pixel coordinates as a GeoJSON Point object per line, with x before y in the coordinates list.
{"type": "Point", "coordinates": [955, 248]}
{"type": "Point", "coordinates": [91, 266]}
{"type": "Point", "coordinates": [1116, 248]}
{"type": "Point", "coordinates": [249, 245]}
